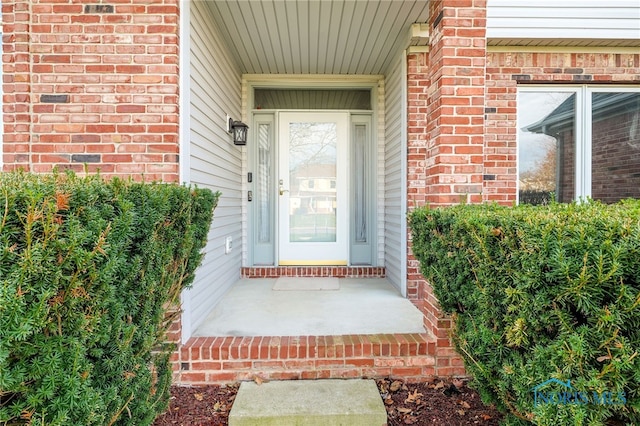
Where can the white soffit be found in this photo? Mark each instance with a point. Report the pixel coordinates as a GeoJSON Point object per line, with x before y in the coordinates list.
{"type": "Point", "coordinates": [317, 36]}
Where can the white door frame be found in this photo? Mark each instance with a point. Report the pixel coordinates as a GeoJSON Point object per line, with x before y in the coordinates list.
{"type": "Point", "coordinates": [336, 251]}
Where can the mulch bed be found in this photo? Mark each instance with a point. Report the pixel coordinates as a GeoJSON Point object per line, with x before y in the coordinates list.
{"type": "Point", "coordinates": [428, 403]}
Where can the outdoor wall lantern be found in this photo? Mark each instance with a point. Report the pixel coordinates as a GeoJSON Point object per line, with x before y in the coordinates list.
{"type": "Point", "coordinates": [239, 130]}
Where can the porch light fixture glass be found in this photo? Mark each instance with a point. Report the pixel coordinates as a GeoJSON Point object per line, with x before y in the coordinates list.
{"type": "Point", "coordinates": [239, 130]}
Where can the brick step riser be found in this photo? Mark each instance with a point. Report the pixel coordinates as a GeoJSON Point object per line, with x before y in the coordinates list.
{"type": "Point", "coordinates": [319, 369]}
{"type": "Point", "coordinates": [411, 357]}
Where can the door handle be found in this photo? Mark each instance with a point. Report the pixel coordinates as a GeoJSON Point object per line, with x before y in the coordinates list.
{"type": "Point", "coordinates": [281, 188]}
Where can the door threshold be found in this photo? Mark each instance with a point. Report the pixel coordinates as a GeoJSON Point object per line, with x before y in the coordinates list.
{"type": "Point", "coordinates": [313, 263]}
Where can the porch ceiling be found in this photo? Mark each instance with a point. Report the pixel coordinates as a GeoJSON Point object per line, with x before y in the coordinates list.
{"type": "Point", "coordinates": [316, 36]}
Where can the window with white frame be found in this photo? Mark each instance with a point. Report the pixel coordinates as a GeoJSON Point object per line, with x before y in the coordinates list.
{"type": "Point", "coordinates": [578, 142]}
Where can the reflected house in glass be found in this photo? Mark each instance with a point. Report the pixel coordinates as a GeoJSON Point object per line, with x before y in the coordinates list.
{"type": "Point", "coordinates": [315, 188]}
{"type": "Point", "coordinates": [612, 140]}
{"type": "Point", "coordinates": [313, 202]}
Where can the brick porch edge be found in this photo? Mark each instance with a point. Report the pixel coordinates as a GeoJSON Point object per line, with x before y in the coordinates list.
{"type": "Point", "coordinates": [412, 357]}
{"type": "Point", "coordinates": [314, 271]}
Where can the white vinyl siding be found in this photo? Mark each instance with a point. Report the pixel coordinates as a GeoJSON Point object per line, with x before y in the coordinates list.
{"type": "Point", "coordinates": [214, 161]}
{"type": "Point", "coordinates": [394, 186]}
{"type": "Point", "coordinates": [561, 22]}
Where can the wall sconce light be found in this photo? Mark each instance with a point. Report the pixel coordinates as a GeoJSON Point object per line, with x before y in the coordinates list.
{"type": "Point", "coordinates": [239, 130]}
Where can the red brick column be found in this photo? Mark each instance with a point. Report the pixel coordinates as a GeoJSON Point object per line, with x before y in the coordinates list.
{"type": "Point", "coordinates": [16, 84]}
{"type": "Point", "coordinates": [94, 87]}
{"type": "Point", "coordinates": [446, 133]}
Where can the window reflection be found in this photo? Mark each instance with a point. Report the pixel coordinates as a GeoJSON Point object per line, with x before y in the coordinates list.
{"type": "Point", "coordinates": [547, 141]}
{"type": "Point", "coordinates": [312, 176]}
{"type": "Point", "coordinates": [546, 147]}
{"type": "Point", "coordinates": [615, 135]}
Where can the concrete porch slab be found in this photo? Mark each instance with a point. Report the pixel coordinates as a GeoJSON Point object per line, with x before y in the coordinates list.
{"type": "Point", "coordinates": [309, 402]}
{"type": "Point", "coordinates": [359, 306]}
{"type": "Point", "coordinates": [306, 283]}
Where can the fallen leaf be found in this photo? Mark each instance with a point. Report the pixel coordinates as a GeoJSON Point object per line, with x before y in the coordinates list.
{"type": "Point", "coordinates": [603, 358]}
{"type": "Point", "coordinates": [465, 404]}
{"type": "Point", "coordinates": [404, 410]}
{"type": "Point", "coordinates": [388, 401]}
{"type": "Point", "coordinates": [198, 396]}
{"type": "Point", "coordinates": [485, 417]}
{"type": "Point", "coordinates": [217, 406]}
{"type": "Point", "coordinates": [413, 397]}
{"type": "Point", "coordinates": [458, 383]}
{"type": "Point", "coordinates": [461, 412]}
{"type": "Point", "coordinates": [438, 385]}
{"type": "Point", "coordinates": [258, 380]}
{"type": "Point", "coordinates": [395, 386]}
{"type": "Point", "coordinates": [409, 420]}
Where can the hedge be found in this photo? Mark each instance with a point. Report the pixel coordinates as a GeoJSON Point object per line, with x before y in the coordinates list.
{"type": "Point", "coordinates": [88, 269]}
{"type": "Point", "coordinates": [546, 305]}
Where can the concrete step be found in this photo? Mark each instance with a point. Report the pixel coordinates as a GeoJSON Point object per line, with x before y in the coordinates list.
{"type": "Point", "coordinates": [309, 402]}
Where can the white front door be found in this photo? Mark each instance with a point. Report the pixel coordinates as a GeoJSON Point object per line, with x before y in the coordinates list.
{"type": "Point", "coordinates": [312, 188]}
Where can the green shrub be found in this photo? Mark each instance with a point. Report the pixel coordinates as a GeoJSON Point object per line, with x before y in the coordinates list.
{"type": "Point", "coordinates": [540, 293]}
{"type": "Point", "coordinates": [87, 271]}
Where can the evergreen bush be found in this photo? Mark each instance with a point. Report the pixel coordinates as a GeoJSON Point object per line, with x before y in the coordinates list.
{"type": "Point", "coordinates": [546, 305]}
{"type": "Point", "coordinates": [88, 269]}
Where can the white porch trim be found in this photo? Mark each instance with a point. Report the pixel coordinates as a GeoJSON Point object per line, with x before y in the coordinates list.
{"type": "Point", "coordinates": [184, 135]}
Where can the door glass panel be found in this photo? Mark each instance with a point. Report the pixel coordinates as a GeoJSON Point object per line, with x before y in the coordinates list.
{"type": "Point", "coordinates": [312, 180]}
{"type": "Point", "coordinates": [264, 182]}
{"type": "Point", "coordinates": [360, 190]}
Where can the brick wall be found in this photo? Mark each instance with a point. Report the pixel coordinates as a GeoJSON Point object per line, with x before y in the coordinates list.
{"type": "Point", "coordinates": [446, 135]}
{"type": "Point", "coordinates": [505, 71]}
{"type": "Point", "coordinates": [91, 84]}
